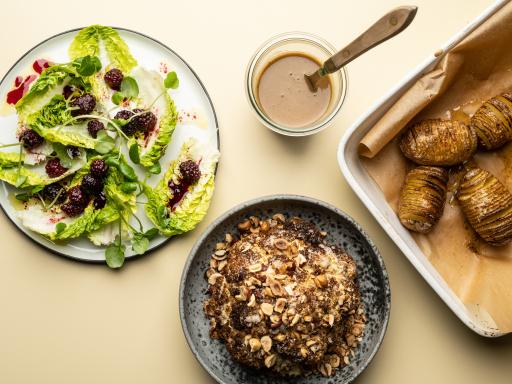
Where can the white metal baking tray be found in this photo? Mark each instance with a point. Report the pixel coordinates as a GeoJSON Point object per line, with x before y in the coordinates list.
{"type": "Point", "coordinates": [371, 195]}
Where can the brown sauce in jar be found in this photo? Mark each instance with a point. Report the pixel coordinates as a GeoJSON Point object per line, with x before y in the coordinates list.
{"type": "Point", "coordinates": [284, 95]}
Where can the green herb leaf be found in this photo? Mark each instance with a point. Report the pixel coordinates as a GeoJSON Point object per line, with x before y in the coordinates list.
{"type": "Point", "coordinates": [23, 196]}
{"type": "Point", "coordinates": [117, 98]}
{"type": "Point", "coordinates": [120, 122]}
{"type": "Point", "coordinates": [60, 227]}
{"type": "Point", "coordinates": [102, 135]}
{"type": "Point", "coordinates": [37, 188]}
{"type": "Point", "coordinates": [140, 243]}
{"type": "Point", "coordinates": [105, 143]}
{"type": "Point", "coordinates": [88, 65]}
{"type": "Point", "coordinates": [134, 153]}
{"type": "Point", "coordinates": [112, 161]}
{"type": "Point", "coordinates": [62, 154]}
{"type": "Point", "coordinates": [127, 171]}
{"type": "Point", "coordinates": [128, 187]}
{"type": "Point", "coordinates": [129, 87]}
{"type": "Point", "coordinates": [171, 80]}
{"type": "Point", "coordinates": [155, 169]}
{"type": "Point", "coordinates": [104, 147]}
{"type": "Point", "coordinates": [114, 254]}
{"type": "Point", "coordinates": [151, 233]}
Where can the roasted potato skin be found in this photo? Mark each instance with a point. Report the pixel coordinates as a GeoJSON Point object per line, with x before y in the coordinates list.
{"type": "Point", "coordinates": [492, 122]}
{"type": "Point", "coordinates": [422, 198]}
{"type": "Point", "coordinates": [487, 205]}
{"type": "Point", "coordinates": [439, 142]}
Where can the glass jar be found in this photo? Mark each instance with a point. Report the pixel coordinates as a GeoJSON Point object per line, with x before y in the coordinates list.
{"type": "Point", "coordinates": [309, 45]}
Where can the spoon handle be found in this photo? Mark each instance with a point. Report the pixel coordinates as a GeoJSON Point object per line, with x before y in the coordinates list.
{"type": "Point", "coordinates": [388, 26]}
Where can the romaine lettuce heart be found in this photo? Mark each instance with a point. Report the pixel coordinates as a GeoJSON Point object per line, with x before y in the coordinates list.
{"type": "Point", "coordinates": [75, 135]}
{"type": "Point", "coordinates": [152, 147]}
{"type": "Point", "coordinates": [96, 38]}
{"type": "Point", "coordinates": [193, 207]}
{"type": "Point", "coordinates": [52, 114]}
{"type": "Point", "coordinates": [50, 83]}
{"type": "Point", "coordinates": [35, 218]}
{"type": "Point", "coordinates": [92, 220]}
{"type": "Point", "coordinates": [49, 122]}
{"type": "Point", "coordinates": [107, 234]}
{"type": "Point", "coordinates": [35, 175]}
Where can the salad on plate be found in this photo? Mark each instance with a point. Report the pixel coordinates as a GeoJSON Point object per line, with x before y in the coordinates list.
{"type": "Point", "coordinates": [91, 133]}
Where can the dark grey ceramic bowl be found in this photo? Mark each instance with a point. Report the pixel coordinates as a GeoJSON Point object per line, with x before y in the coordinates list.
{"type": "Point", "coordinates": [342, 230]}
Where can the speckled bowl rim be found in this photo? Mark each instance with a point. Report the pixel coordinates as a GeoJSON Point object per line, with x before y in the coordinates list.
{"type": "Point", "coordinates": [283, 197]}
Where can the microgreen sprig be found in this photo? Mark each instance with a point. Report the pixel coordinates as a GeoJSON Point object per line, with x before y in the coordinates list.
{"type": "Point", "coordinates": [129, 90]}
{"type": "Point", "coordinates": [9, 145]}
{"type": "Point", "coordinates": [87, 65]}
{"type": "Point", "coordinates": [20, 179]}
{"type": "Point", "coordinates": [115, 252]}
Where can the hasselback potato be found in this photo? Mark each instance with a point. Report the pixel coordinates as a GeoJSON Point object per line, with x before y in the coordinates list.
{"type": "Point", "coordinates": [487, 204]}
{"type": "Point", "coordinates": [492, 122]}
{"type": "Point", "coordinates": [439, 142]}
{"type": "Point", "coordinates": [422, 198]}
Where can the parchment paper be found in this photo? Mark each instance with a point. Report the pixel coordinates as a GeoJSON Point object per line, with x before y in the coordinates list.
{"type": "Point", "coordinates": [478, 68]}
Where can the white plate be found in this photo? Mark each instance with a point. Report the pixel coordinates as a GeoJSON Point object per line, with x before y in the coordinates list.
{"type": "Point", "coordinates": [191, 96]}
{"type": "Point", "coordinates": [373, 198]}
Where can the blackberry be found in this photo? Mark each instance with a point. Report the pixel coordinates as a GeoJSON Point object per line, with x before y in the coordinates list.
{"type": "Point", "coordinates": [123, 114]}
{"type": "Point", "coordinates": [72, 209]}
{"type": "Point", "coordinates": [73, 151]}
{"type": "Point", "coordinates": [77, 196]}
{"type": "Point", "coordinates": [99, 168]}
{"type": "Point", "coordinates": [85, 103]}
{"type": "Point", "coordinates": [68, 91]}
{"type": "Point", "coordinates": [51, 191]}
{"type": "Point", "coordinates": [190, 171]}
{"type": "Point", "coordinates": [178, 191]}
{"type": "Point", "coordinates": [30, 139]}
{"type": "Point", "coordinates": [100, 201]}
{"type": "Point", "coordinates": [113, 78]}
{"type": "Point", "coordinates": [145, 122]}
{"type": "Point", "coordinates": [94, 126]}
{"type": "Point", "coordinates": [54, 168]}
{"type": "Point", "coordinates": [92, 185]}
{"type": "Point", "coordinates": [130, 128]}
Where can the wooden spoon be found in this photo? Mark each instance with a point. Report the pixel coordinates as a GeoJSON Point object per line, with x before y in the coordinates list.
{"type": "Point", "coordinates": [388, 26]}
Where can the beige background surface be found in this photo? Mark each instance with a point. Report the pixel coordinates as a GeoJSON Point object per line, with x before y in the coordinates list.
{"type": "Point", "coordinates": [68, 322]}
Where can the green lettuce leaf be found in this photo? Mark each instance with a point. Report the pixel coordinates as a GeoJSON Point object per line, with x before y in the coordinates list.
{"type": "Point", "coordinates": [166, 128]}
{"type": "Point", "coordinates": [107, 234]}
{"type": "Point", "coordinates": [10, 159]}
{"type": "Point", "coordinates": [151, 87]}
{"type": "Point", "coordinates": [75, 135]}
{"type": "Point", "coordinates": [36, 175]}
{"type": "Point", "coordinates": [193, 207]}
{"type": "Point", "coordinates": [118, 203]}
{"type": "Point", "coordinates": [91, 220]}
{"type": "Point", "coordinates": [49, 84]}
{"type": "Point", "coordinates": [31, 179]}
{"type": "Point", "coordinates": [48, 123]}
{"type": "Point", "coordinates": [54, 113]}
{"type": "Point", "coordinates": [89, 41]}
{"type": "Point", "coordinates": [44, 88]}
